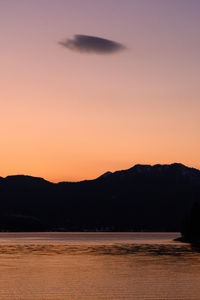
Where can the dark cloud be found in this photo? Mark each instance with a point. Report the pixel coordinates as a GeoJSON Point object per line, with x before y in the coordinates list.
{"type": "Point", "coordinates": [92, 44]}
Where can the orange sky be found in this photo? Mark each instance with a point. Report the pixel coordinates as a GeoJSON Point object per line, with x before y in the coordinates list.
{"type": "Point", "coordinates": [70, 116]}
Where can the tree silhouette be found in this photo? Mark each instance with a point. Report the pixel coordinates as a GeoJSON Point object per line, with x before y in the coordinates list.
{"type": "Point", "coordinates": [191, 225]}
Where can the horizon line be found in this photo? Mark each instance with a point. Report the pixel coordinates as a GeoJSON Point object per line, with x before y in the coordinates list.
{"type": "Point", "coordinates": [121, 170]}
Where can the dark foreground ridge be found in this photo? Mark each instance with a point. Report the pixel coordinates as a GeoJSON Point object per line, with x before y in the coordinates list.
{"type": "Point", "coordinates": [142, 198]}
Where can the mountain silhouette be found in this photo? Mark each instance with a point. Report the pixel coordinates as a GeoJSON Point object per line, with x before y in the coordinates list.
{"type": "Point", "coordinates": [142, 198]}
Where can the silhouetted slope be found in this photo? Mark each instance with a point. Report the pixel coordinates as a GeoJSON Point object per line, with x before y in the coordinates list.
{"type": "Point", "coordinates": [141, 198]}
{"type": "Point", "coordinates": [190, 230]}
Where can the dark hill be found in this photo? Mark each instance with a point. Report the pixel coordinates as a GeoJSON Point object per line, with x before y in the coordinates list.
{"type": "Point", "coordinates": [143, 197]}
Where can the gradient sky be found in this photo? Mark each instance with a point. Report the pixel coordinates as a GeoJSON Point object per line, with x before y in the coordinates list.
{"type": "Point", "coordinates": [70, 116]}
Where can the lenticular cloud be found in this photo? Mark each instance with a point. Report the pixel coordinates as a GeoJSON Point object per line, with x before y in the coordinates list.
{"type": "Point", "coordinates": [92, 44]}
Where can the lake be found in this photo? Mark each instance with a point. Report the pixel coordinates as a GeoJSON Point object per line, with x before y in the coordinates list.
{"type": "Point", "coordinates": [60, 266]}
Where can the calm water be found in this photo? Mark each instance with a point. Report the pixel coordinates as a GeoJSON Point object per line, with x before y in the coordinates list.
{"type": "Point", "coordinates": [97, 266]}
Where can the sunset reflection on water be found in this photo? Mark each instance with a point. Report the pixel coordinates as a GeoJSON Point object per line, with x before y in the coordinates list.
{"type": "Point", "coordinates": [97, 266]}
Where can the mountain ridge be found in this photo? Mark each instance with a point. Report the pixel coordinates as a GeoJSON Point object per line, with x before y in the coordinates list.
{"type": "Point", "coordinates": [143, 197]}
{"type": "Point", "coordinates": [107, 173]}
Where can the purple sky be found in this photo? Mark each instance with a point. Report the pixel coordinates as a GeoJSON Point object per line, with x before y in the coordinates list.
{"type": "Point", "coordinates": [67, 115]}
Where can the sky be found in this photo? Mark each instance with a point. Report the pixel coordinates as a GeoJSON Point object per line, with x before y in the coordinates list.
{"type": "Point", "coordinates": [69, 113]}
